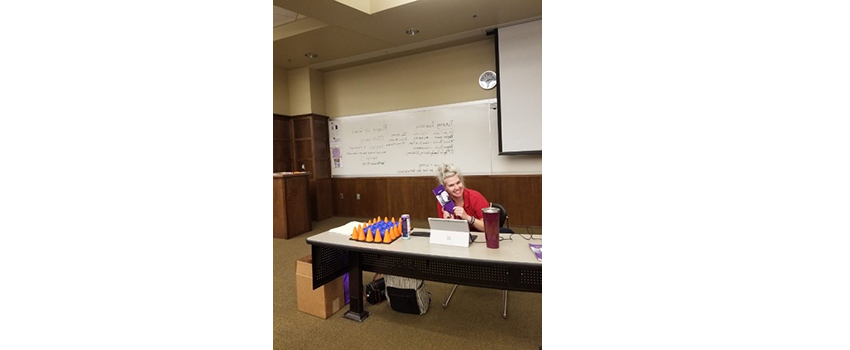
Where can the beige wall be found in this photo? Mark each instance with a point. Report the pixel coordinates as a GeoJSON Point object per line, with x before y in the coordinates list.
{"type": "Point", "coordinates": [427, 79]}
{"type": "Point", "coordinates": [317, 92]}
{"type": "Point", "coordinates": [306, 91]}
{"type": "Point", "coordinates": [299, 91]}
{"type": "Point", "coordinates": [281, 92]}
{"type": "Point", "coordinates": [432, 78]}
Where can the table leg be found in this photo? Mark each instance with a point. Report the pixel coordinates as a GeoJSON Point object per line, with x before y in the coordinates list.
{"type": "Point", "coordinates": [355, 289]}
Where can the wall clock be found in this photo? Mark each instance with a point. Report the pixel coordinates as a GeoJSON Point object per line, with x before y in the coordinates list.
{"type": "Point", "coordinates": [487, 80]}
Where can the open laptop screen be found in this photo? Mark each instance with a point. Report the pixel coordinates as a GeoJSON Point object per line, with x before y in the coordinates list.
{"type": "Point", "coordinates": [448, 225]}
{"type": "Point", "coordinates": [453, 225]}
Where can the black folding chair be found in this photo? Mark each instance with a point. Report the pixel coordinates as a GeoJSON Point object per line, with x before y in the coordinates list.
{"type": "Point", "coordinates": [503, 216]}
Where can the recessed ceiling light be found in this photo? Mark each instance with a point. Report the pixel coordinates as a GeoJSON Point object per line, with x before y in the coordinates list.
{"type": "Point", "coordinates": [411, 31]}
{"type": "Point", "coordinates": [310, 55]}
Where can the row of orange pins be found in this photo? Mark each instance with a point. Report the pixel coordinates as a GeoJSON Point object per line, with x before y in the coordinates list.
{"type": "Point", "coordinates": [389, 237]}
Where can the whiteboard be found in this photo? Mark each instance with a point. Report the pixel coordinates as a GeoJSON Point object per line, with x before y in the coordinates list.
{"type": "Point", "coordinates": [413, 142]}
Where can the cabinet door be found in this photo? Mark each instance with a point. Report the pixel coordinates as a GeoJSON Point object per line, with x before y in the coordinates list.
{"type": "Point", "coordinates": [279, 224]}
{"type": "Point", "coordinates": [297, 206]}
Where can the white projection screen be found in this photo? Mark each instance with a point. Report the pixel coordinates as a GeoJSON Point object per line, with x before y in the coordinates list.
{"type": "Point", "coordinates": [519, 57]}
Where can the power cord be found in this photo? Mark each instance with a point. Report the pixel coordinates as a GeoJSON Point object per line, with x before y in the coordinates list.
{"type": "Point", "coordinates": [530, 234]}
{"type": "Point", "coordinates": [511, 236]}
{"type": "Point", "coordinates": [500, 239]}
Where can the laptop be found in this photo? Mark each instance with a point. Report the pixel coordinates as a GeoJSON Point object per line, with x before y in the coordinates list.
{"type": "Point", "coordinates": [450, 232]}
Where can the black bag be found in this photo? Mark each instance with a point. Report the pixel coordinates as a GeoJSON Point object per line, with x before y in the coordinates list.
{"type": "Point", "coordinates": [407, 295]}
{"type": "Point", "coordinates": [404, 300]}
{"type": "Point", "coordinates": [376, 291]}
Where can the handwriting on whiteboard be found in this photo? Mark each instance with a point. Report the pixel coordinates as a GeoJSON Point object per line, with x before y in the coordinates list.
{"type": "Point", "coordinates": [415, 142]}
{"type": "Point", "coordinates": [426, 140]}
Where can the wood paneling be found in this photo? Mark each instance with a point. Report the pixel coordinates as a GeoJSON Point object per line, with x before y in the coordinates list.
{"type": "Point", "coordinates": [373, 197]}
{"type": "Point", "coordinates": [311, 193]}
{"type": "Point", "coordinates": [323, 169]}
{"type": "Point", "coordinates": [483, 184]}
{"type": "Point", "coordinates": [324, 199]}
{"type": "Point", "coordinates": [411, 195]}
{"type": "Point", "coordinates": [344, 199]}
{"type": "Point", "coordinates": [281, 159]}
{"type": "Point", "coordinates": [521, 195]}
{"type": "Point", "coordinates": [311, 153]}
{"type": "Point", "coordinates": [303, 150]}
{"type": "Point", "coordinates": [302, 126]}
{"type": "Point", "coordinates": [297, 211]}
{"type": "Point", "coordinates": [320, 129]}
{"type": "Point", "coordinates": [291, 216]}
{"type": "Point", "coordinates": [322, 150]}
{"type": "Point", "coordinates": [279, 227]}
{"type": "Point", "coordinates": [282, 127]}
{"type": "Point", "coordinates": [282, 143]}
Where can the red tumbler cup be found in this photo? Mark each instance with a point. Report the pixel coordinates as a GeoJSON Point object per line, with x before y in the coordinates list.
{"type": "Point", "coordinates": [491, 226]}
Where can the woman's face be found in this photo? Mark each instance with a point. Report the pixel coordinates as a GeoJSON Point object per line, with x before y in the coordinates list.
{"type": "Point", "coordinates": [454, 186]}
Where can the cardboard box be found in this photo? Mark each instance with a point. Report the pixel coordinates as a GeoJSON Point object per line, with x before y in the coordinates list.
{"type": "Point", "coordinates": [323, 301]}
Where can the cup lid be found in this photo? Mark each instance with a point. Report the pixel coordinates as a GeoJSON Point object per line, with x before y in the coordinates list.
{"type": "Point", "coordinates": [490, 210]}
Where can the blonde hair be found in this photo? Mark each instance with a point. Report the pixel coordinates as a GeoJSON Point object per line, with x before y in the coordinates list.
{"type": "Point", "coordinates": [446, 171]}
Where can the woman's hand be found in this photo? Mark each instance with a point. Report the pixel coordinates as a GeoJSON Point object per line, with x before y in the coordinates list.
{"type": "Point", "coordinates": [446, 215]}
{"type": "Point", "coordinates": [460, 213]}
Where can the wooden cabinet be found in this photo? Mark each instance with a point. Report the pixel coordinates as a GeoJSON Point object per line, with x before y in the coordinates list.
{"type": "Point", "coordinates": [301, 144]}
{"type": "Point", "coordinates": [311, 152]}
{"type": "Point", "coordinates": [291, 209]}
{"type": "Point", "coordinates": [283, 155]}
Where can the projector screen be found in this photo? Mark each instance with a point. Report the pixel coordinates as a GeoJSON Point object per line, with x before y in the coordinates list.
{"type": "Point", "coordinates": [519, 62]}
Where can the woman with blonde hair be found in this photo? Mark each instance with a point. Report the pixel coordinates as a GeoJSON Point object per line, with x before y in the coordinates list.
{"type": "Point", "coordinates": [468, 202]}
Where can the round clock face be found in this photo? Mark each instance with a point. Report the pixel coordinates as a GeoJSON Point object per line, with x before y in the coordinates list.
{"type": "Point", "coordinates": [487, 80]}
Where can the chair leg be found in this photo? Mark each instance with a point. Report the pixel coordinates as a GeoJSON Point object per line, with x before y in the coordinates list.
{"type": "Point", "coordinates": [450, 297]}
{"type": "Point", "coordinates": [505, 313]}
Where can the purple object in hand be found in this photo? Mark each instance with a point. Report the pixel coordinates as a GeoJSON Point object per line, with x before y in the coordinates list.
{"type": "Point", "coordinates": [443, 198]}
